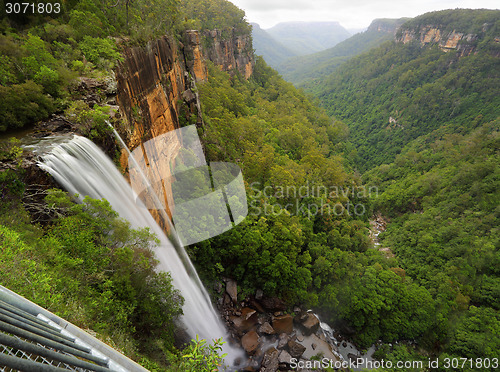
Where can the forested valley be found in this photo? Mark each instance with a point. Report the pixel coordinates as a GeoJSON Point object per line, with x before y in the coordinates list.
{"type": "Point", "coordinates": [406, 133]}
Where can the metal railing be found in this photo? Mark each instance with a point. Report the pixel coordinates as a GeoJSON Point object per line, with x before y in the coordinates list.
{"type": "Point", "coordinates": [33, 339]}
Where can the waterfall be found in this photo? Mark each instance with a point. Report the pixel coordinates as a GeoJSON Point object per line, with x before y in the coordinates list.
{"type": "Point", "coordinates": [82, 168]}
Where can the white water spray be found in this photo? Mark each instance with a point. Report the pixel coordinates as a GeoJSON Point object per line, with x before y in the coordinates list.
{"type": "Point", "coordinates": [82, 168]}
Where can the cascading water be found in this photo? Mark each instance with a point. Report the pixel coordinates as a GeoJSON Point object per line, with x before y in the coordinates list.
{"type": "Point", "coordinates": [82, 168]}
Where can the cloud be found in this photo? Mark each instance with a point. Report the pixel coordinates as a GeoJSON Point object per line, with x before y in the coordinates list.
{"type": "Point", "coordinates": [272, 5]}
{"type": "Point", "coordinates": [350, 13]}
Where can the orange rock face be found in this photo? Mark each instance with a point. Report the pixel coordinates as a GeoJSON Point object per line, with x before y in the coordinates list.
{"type": "Point", "coordinates": [283, 324]}
{"type": "Point", "coordinates": [250, 342]}
{"type": "Point", "coordinates": [155, 88]}
{"type": "Point", "coordinates": [432, 35]}
{"type": "Point", "coordinates": [230, 52]}
{"type": "Point", "coordinates": [450, 41]}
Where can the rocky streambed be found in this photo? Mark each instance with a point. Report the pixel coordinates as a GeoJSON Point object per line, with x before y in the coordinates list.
{"type": "Point", "coordinates": [273, 339]}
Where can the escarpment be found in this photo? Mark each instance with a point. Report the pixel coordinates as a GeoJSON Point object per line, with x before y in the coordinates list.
{"type": "Point", "coordinates": [233, 53]}
{"type": "Point", "coordinates": [153, 90]}
{"type": "Point", "coordinates": [156, 82]}
{"type": "Point", "coordinates": [465, 44]}
{"type": "Point", "coordinates": [156, 88]}
{"type": "Point", "coordinates": [476, 29]}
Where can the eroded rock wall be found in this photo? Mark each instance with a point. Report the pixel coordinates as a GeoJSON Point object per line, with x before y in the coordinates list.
{"type": "Point", "coordinates": [156, 83]}
{"type": "Point", "coordinates": [156, 91]}
{"type": "Point", "coordinates": [230, 51]}
{"type": "Point", "coordinates": [463, 43]}
{"type": "Point", "coordinates": [151, 83]}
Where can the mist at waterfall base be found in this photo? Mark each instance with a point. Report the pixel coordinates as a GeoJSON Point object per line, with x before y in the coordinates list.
{"type": "Point", "coordinates": [80, 167]}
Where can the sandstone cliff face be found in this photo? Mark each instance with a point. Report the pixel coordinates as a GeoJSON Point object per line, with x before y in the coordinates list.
{"type": "Point", "coordinates": [465, 44]}
{"type": "Point", "coordinates": [234, 53]}
{"type": "Point", "coordinates": [156, 83]}
{"type": "Point", "coordinates": [153, 84]}
{"type": "Point", "coordinates": [193, 53]}
{"type": "Point", "coordinates": [156, 91]}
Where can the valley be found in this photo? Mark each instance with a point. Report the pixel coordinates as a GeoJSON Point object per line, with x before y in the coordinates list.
{"type": "Point", "coordinates": [370, 164]}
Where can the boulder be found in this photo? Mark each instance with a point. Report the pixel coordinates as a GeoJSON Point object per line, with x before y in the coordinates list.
{"type": "Point", "coordinates": [188, 95]}
{"type": "Point", "coordinates": [308, 322]}
{"type": "Point", "coordinates": [259, 294]}
{"type": "Point", "coordinates": [86, 83]}
{"type": "Point", "coordinates": [227, 301]}
{"type": "Point", "coordinates": [272, 304]}
{"type": "Point", "coordinates": [283, 324]}
{"type": "Point", "coordinates": [296, 349]}
{"type": "Point", "coordinates": [247, 313]}
{"type": "Point", "coordinates": [245, 321]}
{"type": "Point", "coordinates": [232, 290]}
{"type": "Point", "coordinates": [284, 358]}
{"type": "Point", "coordinates": [266, 329]}
{"type": "Point", "coordinates": [250, 342]}
{"type": "Point", "coordinates": [218, 286]}
{"type": "Point", "coordinates": [270, 362]}
{"type": "Point", "coordinates": [283, 340]}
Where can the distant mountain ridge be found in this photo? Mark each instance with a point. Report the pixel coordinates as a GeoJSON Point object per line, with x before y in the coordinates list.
{"type": "Point", "coordinates": [308, 37]}
{"type": "Point", "coordinates": [289, 39]}
{"type": "Point", "coordinates": [303, 69]}
{"type": "Point", "coordinates": [265, 45]}
{"type": "Point", "coordinates": [441, 71]}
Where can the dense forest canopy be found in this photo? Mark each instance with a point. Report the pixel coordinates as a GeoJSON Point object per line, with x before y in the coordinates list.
{"type": "Point", "coordinates": [41, 56]}
{"type": "Point", "coordinates": [398, 92]}
{"type": "Point", "coordinates": [408, 133]}
{"type": "Point", "coordinates": [423, 122]}
{"type": "Point", "coordinates": [459, 20]}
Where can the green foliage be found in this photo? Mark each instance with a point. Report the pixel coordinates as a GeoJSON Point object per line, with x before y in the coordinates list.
{"type": "Point", "coordinates": [287, 246]}
{"type": "Point", "coordinates": [11, 184]}
{"type": "Point", "coordinates": [22, 104]}
{"type": "Point", "coordinates": [90, 267]}
{"type": "Point", "coordinates": [202, 357]}
{"type": "Point", "coordinates": [214, 14]}
{"type": "Point", "coordinates": [140, 19]}
{"type": "Point", "coordinates": [40, 56]}
{"type": "Point", "coordinates": [398, 92]}
{"type": "Point", "coordinates": [37, 56]}
{"type": "Point", "coordinates": [32, 81]}
{"type": "Point", "coordinates": [93, 122]}
{"type": "Point", "coordinates": [442, 194]}
{"type": "Point", "coordinates": [7, 75]}
{"type": "Point", "coordinates": [476, 334]}
{"type": "Point", "coordinates": [48, 79]}
{"type": "Point", "coordinates": [466, 21]}
{"type": "Point", "coordinates": [412, 360]}
{"type": "Point", "coordinates": [86, 24]}
{"type": "Point", "coordinates": [9, 150]}
{"type": "Point", "coordinates": [101, 52]}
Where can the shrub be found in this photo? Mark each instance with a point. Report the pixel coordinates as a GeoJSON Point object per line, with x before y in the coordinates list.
{"type": "Point", "coordinates": [49, 79]}
{"type": "Point", "coordinates": [86, 24]}
{"type": "Point", "coordinates": [22, 104]}
{"type": "Point", "coordinates": [101, 52]}
{"type": "Point", "coordinates": [200, 357]}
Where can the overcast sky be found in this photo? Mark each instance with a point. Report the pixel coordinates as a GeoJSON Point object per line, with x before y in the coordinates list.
{"type": "Point", "coordinates": [350, 13]}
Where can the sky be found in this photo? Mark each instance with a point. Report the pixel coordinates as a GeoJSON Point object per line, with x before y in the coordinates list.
{"type": "Point", "coordinates": [352, 14]}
